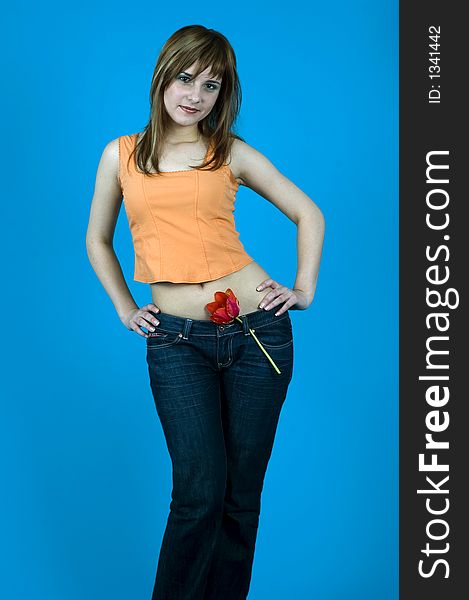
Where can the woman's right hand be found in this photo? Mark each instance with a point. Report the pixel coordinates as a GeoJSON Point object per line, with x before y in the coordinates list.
{"type": "Point", "coordinates": [136, 318]}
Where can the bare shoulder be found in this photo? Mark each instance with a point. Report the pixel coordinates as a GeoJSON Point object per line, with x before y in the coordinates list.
{"type": "Point", "coordinates": [107, 196]}
{"type": "Point", "coordinates": [251, 167]}
{"type": "Point", "coordinates": [113, 147]}
{"type": "Point", "coordinates": [240, 148]}
{"type": "Point", "coordinates": [243, 155]}
{"type": "Point", "coordinates": [111, 154]}
{"type": "Point", "coordinates": [108, 167]}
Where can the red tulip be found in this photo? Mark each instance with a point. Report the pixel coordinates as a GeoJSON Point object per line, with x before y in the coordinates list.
{"type": "Point", "coordinates": [225, 308]}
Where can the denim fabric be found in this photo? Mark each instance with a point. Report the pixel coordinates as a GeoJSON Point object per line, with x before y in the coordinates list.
{"type": "Point", "coordinates": [219, 400]}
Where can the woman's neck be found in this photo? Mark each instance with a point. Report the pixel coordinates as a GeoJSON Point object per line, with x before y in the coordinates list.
{"type": "Point", "coordinates": [182, 135]}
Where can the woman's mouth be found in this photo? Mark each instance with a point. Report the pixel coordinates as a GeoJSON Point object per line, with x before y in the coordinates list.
{"type": "Point", "coordinates": [188, 110]}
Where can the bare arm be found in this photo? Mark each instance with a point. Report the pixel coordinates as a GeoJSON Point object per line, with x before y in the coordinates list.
{"type": "Point", "coordinates": [259, 174]}
{"type": "Point", "coordinates": [105, 206]}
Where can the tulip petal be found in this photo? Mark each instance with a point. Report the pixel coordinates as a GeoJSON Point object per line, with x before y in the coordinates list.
{"type": "Point", "coordinates": [232, 304]}
{"type": "Point", "coordinates": [220, 297]}
{"type": "Point", "coordinates": [212, 306]}
{"type": "Point", "coordinates": [232, 307]}
{"type": "Point", "coordinates": [222, 316]}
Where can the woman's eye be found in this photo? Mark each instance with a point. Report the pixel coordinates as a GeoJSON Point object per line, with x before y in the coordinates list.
{"type": "Point", "coordinates": [184, 79]}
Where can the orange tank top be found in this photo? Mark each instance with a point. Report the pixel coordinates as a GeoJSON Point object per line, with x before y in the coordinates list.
{"type": "Point", "coordinates": [181, 222]}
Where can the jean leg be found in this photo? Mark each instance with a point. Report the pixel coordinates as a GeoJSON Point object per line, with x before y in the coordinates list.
{"type": "Point", "coordinates": [186, 391]}
{"type": "Point", "coordinates": [252, 398]}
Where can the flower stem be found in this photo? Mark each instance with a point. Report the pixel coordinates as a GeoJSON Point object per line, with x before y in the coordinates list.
{"type": "Point", "coordinates": [262, 348]}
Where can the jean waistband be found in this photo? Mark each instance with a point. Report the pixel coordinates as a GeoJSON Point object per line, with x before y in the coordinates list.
{"type": "Point", "coordinates": [257, 318]}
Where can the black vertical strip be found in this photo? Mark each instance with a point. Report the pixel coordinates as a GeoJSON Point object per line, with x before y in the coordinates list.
{"type": "Point", "coordinates": [433, 271]}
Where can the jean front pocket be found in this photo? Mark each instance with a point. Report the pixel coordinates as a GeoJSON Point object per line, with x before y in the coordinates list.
{"type": "Point", "coordinates": [275, 335]}
{"type": "Point", "coordinates": [162, 339]}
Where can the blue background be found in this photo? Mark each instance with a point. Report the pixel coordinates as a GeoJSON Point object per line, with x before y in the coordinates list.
{"type": "Point", "coordinates": [85, 473]}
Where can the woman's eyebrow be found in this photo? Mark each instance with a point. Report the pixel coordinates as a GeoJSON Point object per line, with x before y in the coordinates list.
{"type": "Point", "coordinates": [190, 75]}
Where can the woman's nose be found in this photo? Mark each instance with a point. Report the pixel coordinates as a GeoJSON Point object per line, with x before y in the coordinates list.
{"type": "Point", "coordinates": [194, 95]}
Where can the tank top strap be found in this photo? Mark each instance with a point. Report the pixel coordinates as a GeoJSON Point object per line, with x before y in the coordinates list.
{"type": "Point", "coordinates": [126, 145]}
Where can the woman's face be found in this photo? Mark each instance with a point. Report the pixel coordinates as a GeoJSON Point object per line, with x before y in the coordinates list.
{"type": "Point", "coordinates": [200, 93]}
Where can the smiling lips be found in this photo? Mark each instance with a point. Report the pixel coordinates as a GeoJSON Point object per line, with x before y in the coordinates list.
{"type": "Point", "coordinates": [188, 109]}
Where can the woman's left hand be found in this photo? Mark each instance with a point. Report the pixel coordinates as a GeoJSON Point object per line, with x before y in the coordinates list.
{"type": "Point", "coordinates": [284, 296]}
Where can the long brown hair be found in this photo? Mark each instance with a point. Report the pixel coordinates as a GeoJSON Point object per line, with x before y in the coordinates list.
{"type": "Point", "coordinates": [210, 49]}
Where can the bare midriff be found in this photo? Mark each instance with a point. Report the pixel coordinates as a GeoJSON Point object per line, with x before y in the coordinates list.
{"type": "Point", "coordinates": [189, 299]}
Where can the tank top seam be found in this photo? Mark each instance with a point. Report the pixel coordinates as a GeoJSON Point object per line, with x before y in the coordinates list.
{"type": "Point", "coordinates": [142, 180]}
{"type": "Point", "coordinates": [227, 251]}
{"type": "Point", "coordinates": [196, 200]}
{"type": "Point", "coordinates": [217, 229]}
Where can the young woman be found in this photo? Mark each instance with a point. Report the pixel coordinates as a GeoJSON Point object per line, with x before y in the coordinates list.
{"type": "Point", "coordinates": [217, 394]}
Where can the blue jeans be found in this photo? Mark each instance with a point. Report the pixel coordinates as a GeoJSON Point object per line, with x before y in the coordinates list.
{"type": "Point", "coordinates": [219, 400]}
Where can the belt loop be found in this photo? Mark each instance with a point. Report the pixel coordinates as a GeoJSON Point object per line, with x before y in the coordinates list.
{"type": "Point", "coordinates": [245, 324]}
{"type": "Point", "coordinates": [186, 328]}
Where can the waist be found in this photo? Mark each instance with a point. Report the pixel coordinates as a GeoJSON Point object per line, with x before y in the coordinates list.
{"type": "Point", "coordinates": [256, 319]}
{"type": "Point", "coordinates": [188, 300]}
